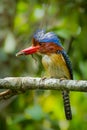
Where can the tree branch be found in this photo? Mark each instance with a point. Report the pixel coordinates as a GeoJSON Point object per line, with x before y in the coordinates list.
{"type": "Point", "coordinates": [17, 85]}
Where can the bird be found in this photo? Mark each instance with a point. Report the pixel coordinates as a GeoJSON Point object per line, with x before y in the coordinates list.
{"type": "Point", "coordinates": [54, 59]}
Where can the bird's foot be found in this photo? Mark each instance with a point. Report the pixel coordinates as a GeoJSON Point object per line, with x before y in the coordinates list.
{"type": "Point", "coordinates": [62, 79]}
{"type": "Point", "coordinates": [43, 78]}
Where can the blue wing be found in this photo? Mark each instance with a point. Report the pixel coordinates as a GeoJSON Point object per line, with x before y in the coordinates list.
{"type": "Point", "coordinates": [68, 62]}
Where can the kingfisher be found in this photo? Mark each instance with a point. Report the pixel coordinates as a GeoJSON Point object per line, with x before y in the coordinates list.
{"type": "Point", "coordinates": [54, 59]}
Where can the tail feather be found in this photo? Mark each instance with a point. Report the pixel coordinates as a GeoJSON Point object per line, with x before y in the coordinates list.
{"type": "Point", "coordinates": [67, 107]}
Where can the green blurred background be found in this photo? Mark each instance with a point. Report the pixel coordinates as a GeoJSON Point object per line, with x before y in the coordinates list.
{"type": "Point", "coordinates": [42, 110]}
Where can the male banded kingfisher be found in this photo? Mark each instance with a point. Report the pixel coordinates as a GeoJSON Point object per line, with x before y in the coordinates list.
{"type": "Point", "coordinates": [54, 59]}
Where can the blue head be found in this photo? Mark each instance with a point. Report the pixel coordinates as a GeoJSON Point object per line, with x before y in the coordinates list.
{"type": "Point", "coordinates": [49, 37]}
{"type": "Point", "coordinates": [44, 43]}
{"type": "Point", "coordinates": [48, 42]}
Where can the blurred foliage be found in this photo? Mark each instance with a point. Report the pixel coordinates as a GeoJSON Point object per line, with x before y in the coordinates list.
{"type": "Point", "coordinates": [42, 110]}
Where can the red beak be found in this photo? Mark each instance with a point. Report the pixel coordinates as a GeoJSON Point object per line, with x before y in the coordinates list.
{"type": "Point", "coordinates": [27, 51]}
